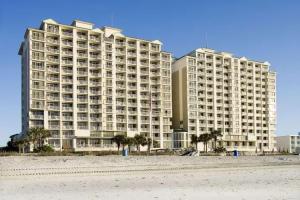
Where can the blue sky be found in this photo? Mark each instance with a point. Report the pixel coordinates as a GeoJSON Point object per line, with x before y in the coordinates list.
{"type": "Point", "coordinates": [258, 29]}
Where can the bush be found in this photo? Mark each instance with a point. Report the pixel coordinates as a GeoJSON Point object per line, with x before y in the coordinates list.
{"type": "Point", "coordinates": [220, 150]}
{"type": "Point", "coordinates": [43, 149]}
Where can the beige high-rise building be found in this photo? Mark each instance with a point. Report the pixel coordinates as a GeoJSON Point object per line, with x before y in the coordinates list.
{"type": "Point", "coordinates": [215, 90]}
{"type": "Point", "coordinates": [87, 84]}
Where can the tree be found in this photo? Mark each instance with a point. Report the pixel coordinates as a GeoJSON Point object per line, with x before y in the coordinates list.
{"type": "Point", "coordinates": [140, 140]}
{"type": "Point", "coordinates": [194, 140]}
{"type": "Point", "coordinates": [119, 139]}
{"type": "Point", "coordinates": [214, 135]}
{"type": "Point", "coordinates": [205, 138]}
{"type": "Point", "coordinates": [129, 141]}
{"type": "Point", "coordinates": [37, 136]}
{"type": "Point", "coordinates": [156, 144]}
{"type": "Point", "coordinates": [149, 143]}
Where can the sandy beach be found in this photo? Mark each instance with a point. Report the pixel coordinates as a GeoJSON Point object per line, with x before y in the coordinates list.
{"type": "Point", "coordinates": [153, 177]}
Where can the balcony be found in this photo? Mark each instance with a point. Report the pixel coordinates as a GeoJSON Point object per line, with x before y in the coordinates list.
{"type": "Point", "coordinates": [146, 105]}
{"type": "Point", "coordinates": [53, 98]}
{"type": "Point", "coordinates": [94, 110]}
{"type": "Point", "coordinates": [130, 112]}
{"type": "Point", "coordinates": [52, 50]}
{"type": "Point", "coordinates": [96, 75]}
{"type": "Point", "coordinates": [53, 41]}
{"type": "Point", "coordinates": [82, 46]}
{"type": "Point", "coordinates": [122, 112]}
{"type": "Point", "coordinates": [82, 91]}
{"type": "Point", "coordinates": [95, 38]}
{"type": "Point", "coordinates": [95, 119]}
{"type": "Point", "coordinates": [54, 117]}
{"type": "Point", "coordinates": [49, 78]}
{"type": "Point", "coordinates": [95, 83]}
{"type": "Point", "coordinates": [144, 88]}
{"type": "Point", "coordinates": [120, 86]}
{"type": "Point", "coordinates": [67, 108]}
{"type": "Point", "coordinates": [67, 33]}
{"type": "Point", "coordinates": [67, 127]}
{"type": "Point", "coordinates": [131, 62]}
{"type": "Point", "coordinates": [120, 94]}
{"type": "Point", "coordinates": [82, 55]}
{"type": "Point", "coordinates": [95, 101]}
{"type": "Point", "coordinates": [95, 56]}
{"type": "Point", "coordinates": [41, 117]}
{"type": "Point", "coordinates": [67, 99]}
{"type": "Point", "coordinates": [145, 129]}
{"type": "Point", "coordinates": [95, 92]}
{"type": "Point", "coordinates": [120, 43]}
{"type": "Point", "coordinates": [82, 73]}
{"type": "Point", "coordinates": [121, 69]}
{"type": "Point", "coordinates": [95, 47]}
{"type": "Point", "coordinates": [67, 43]}
{"type": "Point", "coordinates": [93, 65]}
{"type": "Point", "coordinates": [82, 109]}
{"type": "Point", "coordinates": [53, 60]}
{"type": "Point", "coordinates": [96, 128]}
{"type": "Point", "coordinates": [67, 80]}
{"type": "Point", "coordinates": [82, 118]}
{"type": "Point", "coordinates": [121, 103]}
{"type": "Point", "coordinates": [82, 36]}
{"type": "Point", "coordinates": [53, 107]}
{"type": "Point", "coordinates": [144, 113]}
{"type": "Point", "coordinates": [67, 118]}
{"type": "Point", "coordinates": [67, 62]}
{"type": "Point", "coordinates": [132, 45]}
{"type": "Point", "coordinates": [82, 64]}
{"type": "Point", "coordinates": [69, 90]}
{"type": "Point", "coordinates": [121, 120]}
{"type": "Point", "coordinates": [82, 127]}
{"type": "Point", "coordinates": [54, 127]}
{"type": "Point", "coordinates": [82, 100]}
{"type": "Point", "coordinates": [53, 69]}
{"type": "Point", "coordinates": [131, 87]}
{"type": "Point", "coordinates": [82, 82]}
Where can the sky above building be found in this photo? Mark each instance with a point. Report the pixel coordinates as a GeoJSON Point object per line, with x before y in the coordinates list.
{"type": "Point", "coordinates": [264, 30]}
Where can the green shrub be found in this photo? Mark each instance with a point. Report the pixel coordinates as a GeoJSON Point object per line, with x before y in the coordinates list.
{"type": "Point", "coordinates": [220, 150]}
{"type": "Point", "coordinates": [43, 149]}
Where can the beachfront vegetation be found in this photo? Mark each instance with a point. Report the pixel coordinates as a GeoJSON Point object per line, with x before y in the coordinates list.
{"type": "Point", "coordinates": [205, 138]}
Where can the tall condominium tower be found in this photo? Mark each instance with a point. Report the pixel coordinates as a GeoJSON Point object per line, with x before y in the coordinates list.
{"type": "Point", "coordinates": [215, 90]}
{"type": "Point", "coordinates": [88, 84]}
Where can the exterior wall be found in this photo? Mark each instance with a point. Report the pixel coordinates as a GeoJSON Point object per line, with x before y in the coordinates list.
{"type": "Point", "coordinates": [288, 143]}
{"type": "Point", "coordinates": [234, 95]}
{"type": "Point", "coordinates": [86, 85]}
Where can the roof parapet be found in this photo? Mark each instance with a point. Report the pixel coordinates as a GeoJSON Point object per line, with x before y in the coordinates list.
{"type": "Point", "coordinates": [82, 24]}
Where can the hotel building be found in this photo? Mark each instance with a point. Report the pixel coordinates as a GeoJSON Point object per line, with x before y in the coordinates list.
{"type": "Point", "coordinates": [215, 90]}
{"type": "Point", "coordinates": [87, 84]}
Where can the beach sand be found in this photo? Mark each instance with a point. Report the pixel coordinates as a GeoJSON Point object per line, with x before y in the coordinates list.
{"type": "Point", "coordinates": [153, 177]}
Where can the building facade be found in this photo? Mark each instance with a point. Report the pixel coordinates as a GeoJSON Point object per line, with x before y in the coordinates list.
{"type": "Point", "coordinates": [215, 90]}
{"type": "Point", "coordinates": [288, 143]}
{"type": "Point", "coordinates": [87, 84]}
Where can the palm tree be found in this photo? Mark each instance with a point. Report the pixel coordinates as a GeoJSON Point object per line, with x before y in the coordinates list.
{"type": "Point", "coordinates": [119, 139]}
{"type": "Point", "coordinates": [214, 135]}
{"type": "Point", "coordinates": [37, 135]}
{"type": "Point", "coordinates": [194, 140]}
{"type": "Point", "coordinates": [149, 142]}
{"type": "Point", "coordinates": [129, 141]}
{"type": "Point", "coordinates": [205, 138]}
{"type": "Point", "coordinates": [140, 140]}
